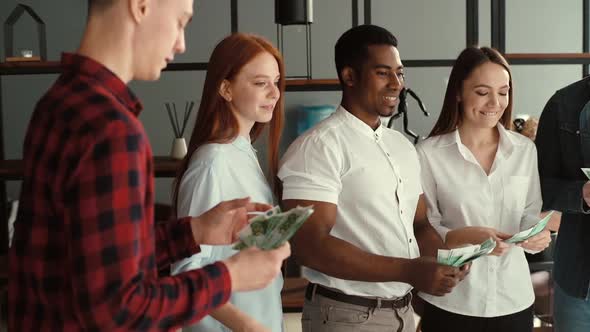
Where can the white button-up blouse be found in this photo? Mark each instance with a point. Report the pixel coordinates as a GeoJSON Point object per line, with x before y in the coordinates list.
{"type": "Point", "coordinates": [459, 194]}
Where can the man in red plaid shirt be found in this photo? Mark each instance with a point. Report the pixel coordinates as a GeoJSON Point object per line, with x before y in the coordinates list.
{"type": "Point", "coordinates": [86, 249]}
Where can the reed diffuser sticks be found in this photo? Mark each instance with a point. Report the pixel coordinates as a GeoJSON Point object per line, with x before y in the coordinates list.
{"type": "Point", "coordinates": [177, 126]}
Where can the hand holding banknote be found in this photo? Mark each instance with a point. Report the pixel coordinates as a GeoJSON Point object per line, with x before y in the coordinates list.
{"type": "Point", "coordinates": [429, 276]}
{"type": "Point", "coordinates": [537, 242]}
{"type": "Point", "coordinates": [474, 235]}
{"type": "Point", "coordinates": [272, 228]}
{"type": "Point", "coordinates": [254, 268]}
{"type": "Point", "coordinates": [533, 232]}
{"type": "Point", "coordinates": [221, 224]}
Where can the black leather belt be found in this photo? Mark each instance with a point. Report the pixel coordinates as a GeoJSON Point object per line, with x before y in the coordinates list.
{"type": "Point", "coordinates": [357, 300]}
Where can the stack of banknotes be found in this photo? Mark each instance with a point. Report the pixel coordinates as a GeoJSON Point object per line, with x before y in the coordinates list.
{"type": "Point", "coordinates": [528, 233]}
{"type": "Point", "coordinates": [460, 256]}
{"type": "Point", "coordinates": [271, 229]}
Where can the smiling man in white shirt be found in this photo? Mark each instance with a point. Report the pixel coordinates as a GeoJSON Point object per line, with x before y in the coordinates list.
{"type": "Point", "coordinates": [360, 249]}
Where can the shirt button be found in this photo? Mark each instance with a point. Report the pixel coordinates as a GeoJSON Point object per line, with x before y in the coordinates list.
{"type": "Point", "coordinates": [410, 240]}
{"type": "Point", "coordinates": [401, 211]}
{"type": "Point", "coordinates": [387, 153]}
{"type": "Point", "coordinates": [400, 180]}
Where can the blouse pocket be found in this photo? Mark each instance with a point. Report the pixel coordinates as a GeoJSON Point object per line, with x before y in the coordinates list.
{"type": "Point", "coordinates": [515, 193]}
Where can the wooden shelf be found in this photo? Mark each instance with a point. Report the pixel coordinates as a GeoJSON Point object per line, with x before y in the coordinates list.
{"type": "Point", "coordinates": [548, 58]}
{"type": "Point", "coordinates": [313, 85]}
{"type": "Point", "coordinates": [13, 169]}
{"type": "Point", "coordinates": [54, 67]}
{"type": "Point", "coordinates": [571, 56]}
{"type": "Point", "coordinates": [27, 68]}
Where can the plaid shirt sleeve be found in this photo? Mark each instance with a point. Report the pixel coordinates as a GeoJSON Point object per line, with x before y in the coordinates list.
{"type": "Point", "coordinates": [112, 244]}
{"type": "Point", "coordinates": [174, 241]}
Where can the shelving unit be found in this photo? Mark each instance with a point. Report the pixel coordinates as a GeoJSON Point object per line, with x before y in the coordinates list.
{"type": "Point", "coordinates": [165, 166]}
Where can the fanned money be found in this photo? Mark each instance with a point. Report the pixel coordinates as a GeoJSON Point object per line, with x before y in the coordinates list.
{"type": "Point", "coordinates": [586, 172]}
{"type": "Point", "coordinates": [460, 256]}
{"type": "Point", "coordinates": [528, 233]}
{"type": "Point", "coordinates": [272, 228]}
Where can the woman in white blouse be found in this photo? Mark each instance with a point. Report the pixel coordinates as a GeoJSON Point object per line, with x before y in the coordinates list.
{"type": "Point", "coordinates": [481, 181]}
{"type": "Point", "coordinates": [242, 95]}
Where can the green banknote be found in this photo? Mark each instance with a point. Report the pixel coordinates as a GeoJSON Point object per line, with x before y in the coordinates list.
{"type": "Point", "coordinates": [460, 256]}
{"type": "Point", "coordinates": [528, 233]}
{"type": "Point", "coordinates": [272, 228]}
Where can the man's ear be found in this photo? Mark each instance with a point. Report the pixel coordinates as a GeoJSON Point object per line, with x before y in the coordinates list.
{"type": "Point", "coordinates": [348, 76]}
{"type": "Point", "coordinates": [139, 9]}
{"type": "Point", "coordinates": [225, 90]}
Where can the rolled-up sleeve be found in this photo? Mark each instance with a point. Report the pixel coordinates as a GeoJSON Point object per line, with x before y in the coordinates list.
{"type": "Point", "coordinates": [311, 170]}
{"type": "Point", "coordinates": [430, 194]}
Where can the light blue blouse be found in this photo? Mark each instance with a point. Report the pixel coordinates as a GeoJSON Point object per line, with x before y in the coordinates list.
{"type": "Point", "coordinates": [219, 172]}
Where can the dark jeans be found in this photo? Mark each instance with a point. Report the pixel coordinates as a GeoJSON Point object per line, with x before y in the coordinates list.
{"type": "Point", "coordinates": [571, 313]}
{"type": "Point", "coordinates": [436, 319]}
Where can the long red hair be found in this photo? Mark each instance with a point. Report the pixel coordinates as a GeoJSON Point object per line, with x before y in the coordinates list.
{"type": "Point", "coordinates": [215, 122]}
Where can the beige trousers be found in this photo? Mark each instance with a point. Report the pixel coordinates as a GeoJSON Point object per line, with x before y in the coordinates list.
{"type": "Point", "coordinates": [322, 314]}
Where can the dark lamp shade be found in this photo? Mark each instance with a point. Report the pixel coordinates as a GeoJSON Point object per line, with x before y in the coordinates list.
{"type": "Point", "coordinates": [290, 12]}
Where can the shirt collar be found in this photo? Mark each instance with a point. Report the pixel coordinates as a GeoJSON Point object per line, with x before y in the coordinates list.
{"type": "Point", "coordinates": [83, 65]}
{"type": "Point", "coordinates": [505, 147]}
{"type": "Point", "coordinates": [243, 143]}
{"type": "Point", "coordinates": [358, 125]}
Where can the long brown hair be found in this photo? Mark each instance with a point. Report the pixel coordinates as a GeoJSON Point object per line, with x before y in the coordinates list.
{"type": "Point", "coordinates": [472, 57]}
{"type": "Point", "coordinates": [216, 123]}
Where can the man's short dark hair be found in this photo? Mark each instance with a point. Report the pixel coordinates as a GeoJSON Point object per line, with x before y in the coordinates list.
{"type": "Point", "coordinates": [352, 48]}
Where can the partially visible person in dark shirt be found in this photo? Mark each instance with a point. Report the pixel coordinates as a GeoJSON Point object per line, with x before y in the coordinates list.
{"type": "Point", "coordinates": [563, 145]}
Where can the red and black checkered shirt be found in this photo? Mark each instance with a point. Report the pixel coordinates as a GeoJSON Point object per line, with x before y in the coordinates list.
{"type": "Point", "coordinates": [86, 250]}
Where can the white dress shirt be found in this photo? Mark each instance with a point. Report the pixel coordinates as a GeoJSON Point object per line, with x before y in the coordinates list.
{"type": "Point", "coordinates": [219, 172]}
{"type": "Point", "coordinates": [373, 176]}
{"type": "Point", "coordinates": [459, 194]}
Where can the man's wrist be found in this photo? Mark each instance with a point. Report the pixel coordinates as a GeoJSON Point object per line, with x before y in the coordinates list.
{"type": "Point", "coordinates": [195, 222]}
{"type": "Point", "coordinates": [405, 271]}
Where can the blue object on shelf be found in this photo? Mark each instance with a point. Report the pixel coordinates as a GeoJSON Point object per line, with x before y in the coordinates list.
{"type": "Point", "coordinates": [308, 116]}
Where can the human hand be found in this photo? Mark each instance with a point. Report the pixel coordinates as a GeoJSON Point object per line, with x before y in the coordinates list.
{"type": "Point", "coordinates": [428, 276]}
{"type": "Point", "coordinates": [464, 271]}
{"type": "Point", "coordinates": [254, 268]}
{"type": "Point", "coordinates": [477, 235]}
{"type": "Point", "coordinates": [538, 242]}
{"type": "Point", "coordinates": [221, 224]}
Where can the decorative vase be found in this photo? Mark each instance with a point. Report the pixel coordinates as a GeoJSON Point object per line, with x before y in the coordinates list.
{"type": "Point", "coordinates": [178, 148]}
